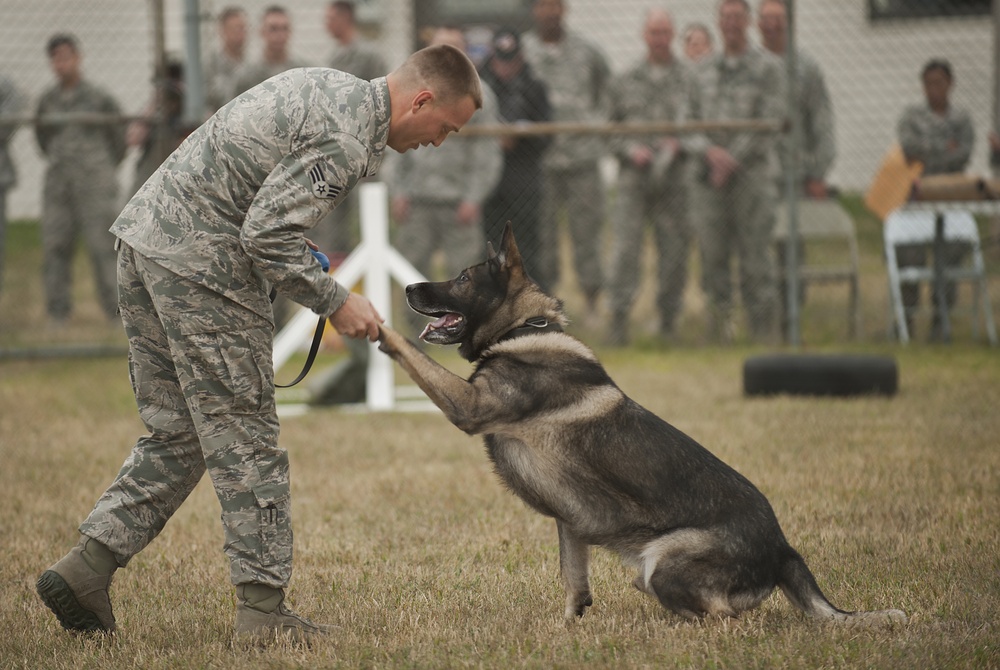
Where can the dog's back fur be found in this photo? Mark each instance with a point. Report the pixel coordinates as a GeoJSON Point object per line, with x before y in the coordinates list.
{"type": "Point", "coordinates": [565, 439]}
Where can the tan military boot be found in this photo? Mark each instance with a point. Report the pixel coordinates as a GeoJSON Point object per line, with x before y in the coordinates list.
{"type": "Point", "coordinates": [76, 588]}
{"type": "Point", "coordinates": [262, 616]}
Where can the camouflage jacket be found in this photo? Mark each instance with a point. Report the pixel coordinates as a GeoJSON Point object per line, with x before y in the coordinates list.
{"type": "Point", "coordinates": [11, 103]}
{"type": "Point", "coordinates": [576, 75]}
{"type": "Point", "coordinates": [746, 88]}
{"type": "Point", "coordinates": [650, 92]}
{"type": "Point", "coordinates": [942, 143]}
{"type": "Point", "coordinates": [814, 113]}
{"type": "Point", "coordinates": [80, 145]}
{"type": "Point", "coordinates": [231, 208]}
{"type": "Point", "coordinates": [360, 58]}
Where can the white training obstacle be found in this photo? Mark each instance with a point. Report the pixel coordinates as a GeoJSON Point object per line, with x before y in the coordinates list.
{"type": "Point", "coordinates": [375, 260]}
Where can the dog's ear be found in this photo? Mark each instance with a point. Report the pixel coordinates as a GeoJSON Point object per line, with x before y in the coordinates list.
{"type": "Point", "coordinates": [509, 253]}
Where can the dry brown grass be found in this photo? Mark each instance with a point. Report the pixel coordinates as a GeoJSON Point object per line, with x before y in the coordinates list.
{"type": "Point", "coordinates": [405, 539]}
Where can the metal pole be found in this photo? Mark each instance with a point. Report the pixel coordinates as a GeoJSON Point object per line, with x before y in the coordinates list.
{"type": "Point", "coordinates": [792, 181]}
{"type": "Point", "coordinates": [194, 93]}
{"type": "Point", "coordinates": [159, 75]}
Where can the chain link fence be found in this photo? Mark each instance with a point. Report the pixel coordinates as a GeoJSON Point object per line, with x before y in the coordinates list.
{"type": "Point", "coordinates": [870, 52]}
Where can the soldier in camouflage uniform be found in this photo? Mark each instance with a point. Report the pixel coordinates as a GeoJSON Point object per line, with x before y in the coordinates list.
{"type": "Point", "coordinates": [653, 181]}
{"type": "Point", "coordinates": [358, 56]}
{"type": "Point", "coordinates": [222, 221]}
{"type": "Point", "coordinates": [81, 185]}
{"type": "Point", "coordinates": [940, 136]}
{"type": "Point", "coordinates": [275, 32]}
{"type": "Point", "coordinates": [224, 65]}
{"type": "Point", "coordinates": [10, 104]}
{"type": "Point", "coordinates": [736, 187]}
{"type": "Point", "coordinates": [814, 116]}
{"type": "Point", "coordinates": [576, 74]}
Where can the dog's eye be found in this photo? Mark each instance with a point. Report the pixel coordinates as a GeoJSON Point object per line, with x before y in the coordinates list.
{"type": "Point", "coordinates": [462, 278]}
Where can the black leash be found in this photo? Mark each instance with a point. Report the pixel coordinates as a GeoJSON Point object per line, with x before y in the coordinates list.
{"type": "Point", "coordinates": [317, 336]}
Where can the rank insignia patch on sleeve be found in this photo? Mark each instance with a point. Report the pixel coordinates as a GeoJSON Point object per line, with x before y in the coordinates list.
{"type": "Point", "coordinates": [320, 187]}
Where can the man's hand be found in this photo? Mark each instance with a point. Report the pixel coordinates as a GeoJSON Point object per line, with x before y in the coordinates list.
{"type": "Point", "coordinates": [357, 318]}
{"type": "Point", "coordinates": [721, 165]}
{"type": "Point", "coordinates": [468, 213]}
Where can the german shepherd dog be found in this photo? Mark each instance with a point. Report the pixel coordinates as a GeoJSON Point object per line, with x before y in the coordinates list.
{"type": "Point", "coordinates": [573, 446]}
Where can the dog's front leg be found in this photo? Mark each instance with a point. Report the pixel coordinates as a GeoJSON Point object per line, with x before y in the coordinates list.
{"type": "Point", "coordinates": [574, 565]}
{"type": "Point", "coordinates": [452, 394]}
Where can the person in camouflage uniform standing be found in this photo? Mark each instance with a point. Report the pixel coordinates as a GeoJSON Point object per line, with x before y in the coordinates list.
{"type": "Point", "coordinates": [438, 191]}
{"type": "Point", "coordinates": [224, 65]}
{"type": "Point", "coordinates": [201, 244]}
{"type": "Point", "coordinates": [81, 185]}
{"type": "Point", "coordinates": [275, 33]}
{"type": "Point", "coordinates": [576, 74]}
{"type": "Point", "coordinates": [358, 56]}
{"type": "Point", "coordinates": [653, 181]}
{"type": "Point", "coordinates": [736, 187]}
{"type": "Point", "coordinates": [10, 104]}
{"type": "Point", "coordinates": [814, 116]}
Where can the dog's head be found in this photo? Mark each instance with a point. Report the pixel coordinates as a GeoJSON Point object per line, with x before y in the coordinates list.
{"type": "Point", "coordinates": [484, 303]}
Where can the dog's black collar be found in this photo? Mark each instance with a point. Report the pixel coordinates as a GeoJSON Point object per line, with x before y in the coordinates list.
{"type": "Point", "coordinates": [533, 326]}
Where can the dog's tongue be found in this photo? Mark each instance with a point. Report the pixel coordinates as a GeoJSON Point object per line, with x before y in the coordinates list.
{"type": "Point", "coordinates": [443, 322]}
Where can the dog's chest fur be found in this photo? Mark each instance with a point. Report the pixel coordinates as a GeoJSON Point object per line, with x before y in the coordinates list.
{"type": "Point", "coordinates": [549, 384]}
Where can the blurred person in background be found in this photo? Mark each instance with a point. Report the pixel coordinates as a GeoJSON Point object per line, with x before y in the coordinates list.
{"type": "Point", "coordinates": [438, 192]}
{"type": "Point", "coordinates": [653, 181]}
{"type": "Point", "coordinates": [358, 56]}
{"type": "Point", "coordinates": [521, 98]}
{"type": "Point", "coordinates": [162, 128]}
{"type": "Point", "coordinates": [275, 33]}
{"type": "Point", "coordinates": [697, 42]}
{"type": "Point", "coordinates": [940, 136]}
{"type": "Point", "coordinates": [735, 191]}
{"type": "Point", "coordinates": [81, 184]}
{"type": "Point", "coordinates": [276, 57]}
{"type": "Point", "coordinates": [576, 75]}
{"type": "Point", "coordinates": [201, 244]}
{"type": "Point", "coordinates": [224, 64]}
{"type": "Point", "coordinates": [11, 103]}
{"type": "Point", "coordinates": [814, 115]}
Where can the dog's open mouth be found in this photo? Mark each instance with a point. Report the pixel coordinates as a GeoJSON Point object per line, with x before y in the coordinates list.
{"type": "Point", "coordinates": [444, 329]}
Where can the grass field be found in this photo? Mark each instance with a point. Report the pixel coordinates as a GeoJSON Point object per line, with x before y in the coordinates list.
{"type": "Point", "coordinates": [406, 541]}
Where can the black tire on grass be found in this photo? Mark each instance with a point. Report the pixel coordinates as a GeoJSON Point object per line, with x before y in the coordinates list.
{"type": "Point", "coordinates": [825, 375]}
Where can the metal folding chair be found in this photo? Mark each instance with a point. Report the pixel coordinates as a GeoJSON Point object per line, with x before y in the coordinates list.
{"type": "Point", "coordinates": [917, 227]}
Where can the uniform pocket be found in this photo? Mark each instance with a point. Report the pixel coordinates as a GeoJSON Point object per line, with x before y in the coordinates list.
{"type": "Point", "coordinates": [274, 505]}
{"type": "Point", "coordinates": [228, 372]}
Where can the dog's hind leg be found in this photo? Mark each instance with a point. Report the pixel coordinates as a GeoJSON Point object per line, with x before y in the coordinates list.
{"type": "Point", "coordinates": [574, 567]}
{"type": "Point", "coordinates": [690, 574]}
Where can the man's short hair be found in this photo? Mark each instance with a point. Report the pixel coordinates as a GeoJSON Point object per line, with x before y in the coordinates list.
{"type": "Point", "coordinates": [744, 3]}
{"type": "Point", "coordinates": [937, 64]}
{"type": "Point", "coordinates": [275, 9]}
{"type": "Point", "coordinates": [60, 39]}
{"type": "Point", "coordinates": [345, 7]}
{"type": "Point", "coordinates": [229, 12]}
{"type": "Point", "coordinates": [445, 70]}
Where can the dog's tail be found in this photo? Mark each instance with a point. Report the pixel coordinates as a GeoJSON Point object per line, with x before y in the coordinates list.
{"type": "Point", "coordinates": [800, 587]}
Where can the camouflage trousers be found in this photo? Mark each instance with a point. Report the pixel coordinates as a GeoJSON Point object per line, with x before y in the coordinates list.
{"type": "Point", "coordinates": [580, 192]}
{"type": "Point", "coordinates": [739, 221]}
{"type": "Point", "coordinates": [641, 202]}
{"type": "Point", "coordinates": [78, 202]}
{"type": "Point", "coordinates": [203, 378]}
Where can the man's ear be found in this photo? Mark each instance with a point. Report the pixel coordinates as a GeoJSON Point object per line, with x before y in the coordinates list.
{"type": "Point", "coordinates": [421, 99]}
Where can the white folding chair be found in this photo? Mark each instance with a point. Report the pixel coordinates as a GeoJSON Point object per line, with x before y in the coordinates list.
{"type": "Point", "coordinates": [916, 227]}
